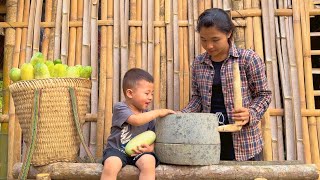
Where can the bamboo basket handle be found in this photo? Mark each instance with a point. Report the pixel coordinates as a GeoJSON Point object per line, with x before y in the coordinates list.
{"type": "Point", "coordinates": [237, 99]}
{"type": "Point", "coordinates": [35, 116]}
{"type": "Point", "coordinates": [77, 122]}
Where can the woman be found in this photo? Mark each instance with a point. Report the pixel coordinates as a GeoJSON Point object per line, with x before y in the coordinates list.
{"type": "Point", "coordinates": [212, 86]}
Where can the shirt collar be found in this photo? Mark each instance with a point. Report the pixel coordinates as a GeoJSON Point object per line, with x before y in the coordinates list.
{"type": "Point", "coordinates": [233, 51]}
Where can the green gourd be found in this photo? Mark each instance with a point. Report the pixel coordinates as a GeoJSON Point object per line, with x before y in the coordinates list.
{"type": "Point", "coordinates": [147, 137]}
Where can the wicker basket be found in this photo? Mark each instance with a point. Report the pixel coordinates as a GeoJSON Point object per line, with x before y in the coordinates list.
{"type": "Point", "coordinates": [57, 139]}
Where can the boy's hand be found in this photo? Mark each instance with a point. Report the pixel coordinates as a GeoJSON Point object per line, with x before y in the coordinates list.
{"type": "Point", "coordinates": [241, 115]}
{"type": "Point", "coordinates": [164, 112]}
{"type": "Point", "coordinates": [142, 149]}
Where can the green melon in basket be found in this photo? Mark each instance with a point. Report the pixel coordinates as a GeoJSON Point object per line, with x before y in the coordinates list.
{"type": "Point", "coordinates": [50, 66]}
{"type": "Point", "coordinates": [57, 61]}
{"type": "Point", "coordinates": [85, 72]}
{"type": "Point", "coordinates": [73, 72]}
{"type": "Point", "coordinates": [27, 71]}
{"type": "Point", "coordinates": [15, 74]}
{"type": "Point", "coordinates": [41, 71]}
{"type": "Point", "coordinates": [60, 70]}
{"type": "Point", "coordinates": [37, 57]}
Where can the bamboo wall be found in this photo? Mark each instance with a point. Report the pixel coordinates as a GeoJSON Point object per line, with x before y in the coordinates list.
{"type": "Point", "coordinates": [159, 36]}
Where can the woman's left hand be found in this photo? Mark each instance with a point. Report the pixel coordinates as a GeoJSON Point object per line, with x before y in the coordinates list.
{"type": "Point", "coordinates": [241, 116]}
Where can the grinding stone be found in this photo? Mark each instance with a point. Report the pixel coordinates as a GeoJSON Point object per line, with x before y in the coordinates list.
{"type": "Point", "coordinates": [188, 139]}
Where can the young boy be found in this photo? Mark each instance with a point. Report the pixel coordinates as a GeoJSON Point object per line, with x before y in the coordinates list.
{"type": "Point", "coordinates": [131, 118]}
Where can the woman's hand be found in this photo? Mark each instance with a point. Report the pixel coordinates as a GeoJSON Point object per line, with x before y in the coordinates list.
{"type": "Point", "coordinates": [142, 149]}
{"type": "Point", "coordinates": [241, 116]}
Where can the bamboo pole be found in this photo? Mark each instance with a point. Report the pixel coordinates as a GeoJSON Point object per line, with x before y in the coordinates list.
{"type": "Point", "coordinates": [110, 74]}
{"type": "Point", "coordinates": [79, 33]}
{"type": "Point", "coordinates": [30, 30]}
{"type": "Point", "coordinates": [5, 128]}
{"type": "Point", "coordinates": [163, 59]}
{"type": "Point", "coordinates": [191, 42]}
{"type": "Point", "coordinates": [185, 75]}
{"type": "Point", "coordinates": [46, 35]}
{"type": "Point", "coordinates": [276, 82]}
{"type": "Point", "coordinates": [176, 68]}
{"type": "Point", "coordinates": [150, 36]}
{"type": "Point", "coordinates": [239, 34]}
{"type": "Point", "coordinates": [86, 60]}
{"type": "Point", "coordinates": [57, 31]}
{"type": "Point", "coordinates": [257, 32]}
{"type": "Point", "coordinates": [124, 16]}
{"type": "Point", "coordinates": [22, 60]}
{"type": "Point", "coordinates": [102, 83]}
{"type": "Point", "coordinates": [72, 33]}
{"type": "Point", "coordinates": [293, 73]}
{"type": "Point", "coordinates": [37, 20]}
{"type": "Point", "coordinates": [282, 51]}
{"type": "Point", "coordinates": [181, 55]}
{"type": "Point", "coordinates": [22, 57]}
{"type": "Point", "coordinates": [85, 56]}
{"type": "Point", "coordinates": [220, 4]}
{"type": "Point", "coordinates": [156, 63]}
{"type": "Point", "coordinates": [12, 137]}
{"type": "Point", "coordinates": [266, 133]}
{"type": "Point", "coordinates": [195, 21]}
{"type": "Point", "coordinates": [169, 35]}
{"type": "Point", "coordinates": [17, 142]}
{"type": "Point", "coordinates": [268, 60]}
{"type": "Point", "coordinates": [214, 3]}
{"type": "Point", "coordinates": [207, 4]}
{"type": "Point", "coordinates": [65, 31]}
{"type": "Point", "coordinates": [116, 52]}
{"type": "Point", "coordinates": [95, 71]}
{"type": "Point", "coordinates": [311, 4]}
{"type": "Point", "coordinates": [50, 54]}
{"type": "Point", "coordinates": [144, 31]}
{"type": "Point", "coordinates": [138, 46]}
{"type": "Point", "coordinates": [201, 8]}
{"type": "Point", "coordinates": [235, 14]}
{"type": "Point", "coordinates": [227, 5]}
{"type": "Point", "coordinates": [239, 23]}
{"type": "Point", "coordinates": [249, 27]}
{"type": "Point", "coordinates": [304, 112]}
{"type": "Point", "coordinates": [133, 35]}
{"type": "Point", "coordinates": [18, 35]}
{"type": "Point", "coordinates": [314, 144]}
{"type": "Point", "coordinates": [14, 134]}
{"type": "Point", "coordinates": [265, 122]}
{"type": "Point", "coordinates": [299, 64]}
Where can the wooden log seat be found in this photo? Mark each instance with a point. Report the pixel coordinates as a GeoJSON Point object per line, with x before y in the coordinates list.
{"type": "Point", "coordinates": [224, 170]}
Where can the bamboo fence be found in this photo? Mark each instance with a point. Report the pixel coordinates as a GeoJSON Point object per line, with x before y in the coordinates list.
{"type": "Point", "coordinates": [159, 36]}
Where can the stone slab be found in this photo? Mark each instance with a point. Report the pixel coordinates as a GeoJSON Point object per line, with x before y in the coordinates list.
{"type": "Point", "coordinates": [188, 154]}
{"type": "Point", "coordinates": [188, 128]}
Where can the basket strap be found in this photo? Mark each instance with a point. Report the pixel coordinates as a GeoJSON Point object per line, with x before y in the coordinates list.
{"type": "Point", "coordinates": [77, 122]}
{"type": "Point", "coordinates": [35, 115]}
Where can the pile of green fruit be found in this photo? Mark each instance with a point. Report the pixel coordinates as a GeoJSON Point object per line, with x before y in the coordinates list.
{"type": "Point", "coordinates": [39, 68]}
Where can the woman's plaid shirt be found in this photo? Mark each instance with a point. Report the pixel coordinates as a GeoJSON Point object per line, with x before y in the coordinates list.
{"type": "Point", "coordinates": [255, 94]}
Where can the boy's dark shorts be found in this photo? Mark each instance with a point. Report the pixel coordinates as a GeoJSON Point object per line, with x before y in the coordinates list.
{"type": "Point", "coordinates": [126, 160]}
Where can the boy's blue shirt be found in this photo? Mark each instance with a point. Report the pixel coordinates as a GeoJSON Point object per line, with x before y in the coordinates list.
{"type": "Point", "coordinates": [121, 131]}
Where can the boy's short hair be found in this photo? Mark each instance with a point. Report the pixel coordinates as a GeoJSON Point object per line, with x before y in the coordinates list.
{"type": "Point", "coordinates": [132, 77]}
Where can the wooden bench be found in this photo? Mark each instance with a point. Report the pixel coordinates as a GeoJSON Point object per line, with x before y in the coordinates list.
{"type": "Point", "coordinates": [224, 170]}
